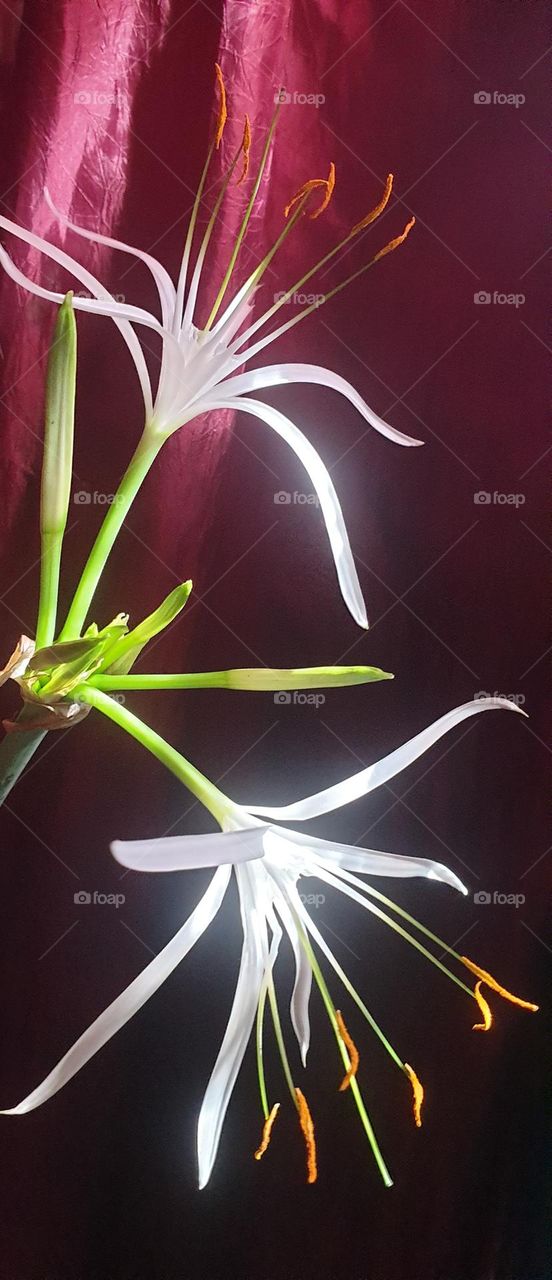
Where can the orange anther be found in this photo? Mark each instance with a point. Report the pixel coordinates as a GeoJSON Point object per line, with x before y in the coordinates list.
{"type": "Point", "coordinates": [351, 1049]}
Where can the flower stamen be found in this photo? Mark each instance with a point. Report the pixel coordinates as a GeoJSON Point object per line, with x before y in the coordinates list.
{"type": "Point", "coordinates": [417, 1094]}
{"type": "Point", "coordinates": [267, 1132]}
{"type": "Point", "coordinates": [394, 244]}
{"type": "Point", "coordinates": [307, 1129]}
{"type": "Point", "coordinates": [223, 110]}
{"type": "Point", "coordinates": [375, 213]}
{"type": "Point", "coordinates": [351, 1049]}
{"type": "Point", "coordinates": [246, 148]}
{"type": "Point", "coordinates": [314, 184]}
{"type": "Point", "coordinates": [491, 982]}
{"type": "Point", "coordinates": [485, 1010]}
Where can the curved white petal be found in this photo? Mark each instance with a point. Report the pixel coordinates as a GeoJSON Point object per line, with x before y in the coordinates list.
{"type": "Point", "coordinates": [97, 289]}
{"type": "Point", "coordinates": [323, 484]}
{"type": "Point", "coordinates": [373, 862]}
{"type": "Point", "coordinates": [300, 996]}
{"type": "Point", "coordinates": [127, 1004]}
{"type": "Point", "coordinates": [163, 282]}
{"type": "Point", "coordinates": [238, 1031]}
{"type": "Point", "coordinates": [375, 775]}
{"type": "Point", "coordinates": [281, 374]}
{"type": "Point", "coordinates": [186, 853]}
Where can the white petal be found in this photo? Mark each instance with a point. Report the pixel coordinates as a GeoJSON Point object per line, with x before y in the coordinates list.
{"type": "Point", "coordinates": [323, 484]}
{"type": "Point", "coordinates": [373, 862]}
{"type": "Point", "coordinates": [165, 287]}
{"type": "Point", "coordinates": [98, 291]}
{"type": "Point", "coordinates": [238, 1031]}
{"type": "Point", "coordinates": [186, 853]}
{"type": "Point", "coordinates": [282, 374]}
{"type": "Point", "coordinates": [132, 999]}
{"type": "Point", "coordinates": [366, 780]}
{"type": "Point", "coordinates": [300, 997]}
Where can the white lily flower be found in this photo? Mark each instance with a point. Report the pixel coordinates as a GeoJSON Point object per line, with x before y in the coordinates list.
{"type": "Point", "coordinates": [199, 364]}
{"type": "Point", "coordinates": [269, 863]}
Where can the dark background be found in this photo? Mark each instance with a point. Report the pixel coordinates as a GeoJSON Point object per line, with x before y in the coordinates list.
{"type": "Point", "coordinates": [100, 1184]}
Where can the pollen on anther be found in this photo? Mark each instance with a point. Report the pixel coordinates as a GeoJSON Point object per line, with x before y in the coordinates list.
{"type": "Point", "coordinates": [223, 110]}
{"type": "Point", "coordinates": [485, 1010]}
{"type": "Point", "coordinates": [489, 981]}
{"type": "Point", "coordinates": [417, 1094]}
{"type": "Point", "coordinates": [307, 1129]}
{"type": "Point", "coordinates": [246, 147]}
{"type": "Point", "coordinates": [330, 184]}
{"type": "Point", "coordinates": [267, 1132]}
{"type": "Point", "coordinates": [351, 1049]}
{"type": "Point", "coordinates": [375, 213]}
{"type": "Point", "coordinates": [394, 244]}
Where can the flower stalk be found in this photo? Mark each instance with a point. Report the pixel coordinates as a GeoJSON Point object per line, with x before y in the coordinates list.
{"type": "Point", "coordinates": [57, 464]}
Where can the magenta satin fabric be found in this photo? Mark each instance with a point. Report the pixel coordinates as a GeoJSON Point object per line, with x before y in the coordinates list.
{"type": "Point", "coordinates": [112, 106]}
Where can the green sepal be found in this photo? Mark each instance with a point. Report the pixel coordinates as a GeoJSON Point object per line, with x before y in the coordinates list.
{"type": "Point", "coordinates": [123, 654]}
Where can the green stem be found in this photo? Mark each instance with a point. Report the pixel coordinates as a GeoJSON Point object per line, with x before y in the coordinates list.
{"type": "Point", "coordinates": [135, 474]}
{"type": "Point", "coordinates": [214, 800]}
{"type": "Point", "coordinates": [49, 584]}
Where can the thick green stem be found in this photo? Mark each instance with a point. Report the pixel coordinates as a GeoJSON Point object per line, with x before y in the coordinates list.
{"type": "Point", "coordinates": [131, 482]}
{"type": "Point", "coordinates": [49, 583]}
{"type": "Point", "coordinates": [214, 800]}
{"type": "Point", "coordinates": [16, 749]}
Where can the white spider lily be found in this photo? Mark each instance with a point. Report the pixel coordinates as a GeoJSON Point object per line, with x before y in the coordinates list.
{"type": "Point", "coordinates": [199, 364]}
{"type": "Point", "coordinates": [269, 862]}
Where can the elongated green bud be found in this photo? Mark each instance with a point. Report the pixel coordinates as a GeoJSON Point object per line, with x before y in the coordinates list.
{"type": "Point", "coordinates": [59, 422]}
{"type": "Point", "coordinates": [252, 678]}
{"type": "Point", "coordinates": [126, 650]}
{"type": "Point", "coordinates": [57, 464]}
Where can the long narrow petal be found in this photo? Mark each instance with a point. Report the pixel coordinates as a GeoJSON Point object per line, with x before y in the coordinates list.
{"type": "Point", "coordinates": [323, 485]}
{"type": "Point", "coordinates": [283, 374]}
{"type": "Point", "coordinates": [186, 853]}
{"type": "Point", "coordinates": [164, 284]}
{"type": "Point", "coordinates": [373, 862]}
{"type": "Point", "coordinates": [300, 996]}
{"type": "Point", "coordinates": [125, 329]}
{"type": "Point", "coordinates": [127, 1004]}
{"type": "Point", "coordinates": [375, 775]}
{"type": "Point", "coordinates": [238, 1031]}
